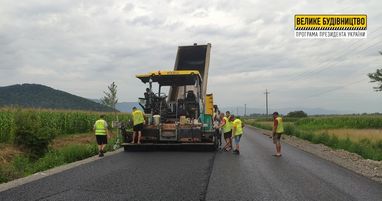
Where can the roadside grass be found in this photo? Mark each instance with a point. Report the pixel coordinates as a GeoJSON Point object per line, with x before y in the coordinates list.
{"type": "Point", "coordinates": [63, 150]}
{"type": "Point", "coordinates": [259, 124]}
{"type": "Point", "coordinates": [357, 134]}
{"type": "Point", "coordinates": [364, 147]}
{"type": "Point", "coordinates": [267, 125]}
{"type": "Point", "coordinates": [22, 165]}
{"type": "Point", "coordinates": [68, 154]}
{"type": "Point", "coordinates": [335, 122]}
{"type": "Point", "coordinates": [62, 141]}
{"type": "Point", "coordinates": [8, 151]}
{"type": "Point", "coordinates": [270, 118]}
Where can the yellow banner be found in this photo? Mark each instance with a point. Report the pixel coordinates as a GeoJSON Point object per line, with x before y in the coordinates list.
{"type": "Point", "coordinates": [330, 22]}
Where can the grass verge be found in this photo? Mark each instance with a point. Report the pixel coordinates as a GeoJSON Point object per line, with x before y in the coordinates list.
{"type": "Point", "coordinates": [368, 149]}
{"type": "Point", "coordinates": [23, 165]}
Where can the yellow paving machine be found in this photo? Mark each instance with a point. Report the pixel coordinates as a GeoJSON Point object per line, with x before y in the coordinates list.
{"type": "Point", "coordinates": [177, 109]}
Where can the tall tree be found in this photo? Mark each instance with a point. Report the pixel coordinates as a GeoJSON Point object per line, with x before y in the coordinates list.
{"type": "Point", "coordinates": [376, 77]}
{"type": "Point", "coordinates": [110, 99]}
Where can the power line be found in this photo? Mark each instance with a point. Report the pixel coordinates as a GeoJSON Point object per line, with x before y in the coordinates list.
{"type": "Point", "coordinates": [340, 87]}
{"type": "Point", "coordinates": [318, 70]}
{"type": "Point", "coordinates": [320, 65]}
{"type": "Point", "coordinates": [327, 67]}
{"type": "Point", "coordinates": [333, 64]}
{"type": "Point", "coordinates": [334, 89]}
{"type": "Point", "coordinates": [305, 74]}
{"type": "Point", "coordinates": [337, 88]}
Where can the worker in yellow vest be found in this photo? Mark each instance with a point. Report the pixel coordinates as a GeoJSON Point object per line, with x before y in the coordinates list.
{"type": "Point", "coordinates": [278, 130]}
{"type": "Point", "coordinates": [237, 132]}
{"type": "Point", "coordinates": [138, 121]}
{"type": "Point", "coordinates": [101, 132]}
{"type": "Point", "coordinates": [226, 126]}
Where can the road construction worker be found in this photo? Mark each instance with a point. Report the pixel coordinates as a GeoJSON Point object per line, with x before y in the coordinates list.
{"type": "Point", "coordinates": [216, 122]}
{"type": "Point", "coordinates": [226, 127]}
{"type": "Point", "coordinates": [138, 121]}
{"type": "Point", "coordinates": [101, 132]}
{"type": "Point", "coordinates": [278, 130]}
{"type": "Point", "coordinates": [149, 98]}
{"type": "Point", "coordinates": [237, 132]}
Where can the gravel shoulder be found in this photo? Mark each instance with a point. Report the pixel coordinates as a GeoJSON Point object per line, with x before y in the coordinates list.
{"type": "Point", "coordinates": [366, 167]}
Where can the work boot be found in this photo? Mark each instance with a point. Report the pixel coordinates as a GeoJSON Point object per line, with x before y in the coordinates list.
{"type": "Point", "coordinates": [100, 154]}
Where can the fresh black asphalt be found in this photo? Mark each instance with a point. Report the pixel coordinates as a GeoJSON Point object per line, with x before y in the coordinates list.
{"type": "Point", "coordinates": [253, 175]}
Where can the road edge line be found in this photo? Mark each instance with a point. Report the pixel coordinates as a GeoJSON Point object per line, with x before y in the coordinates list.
{"type": "Point", "coordinates": [203, 195]}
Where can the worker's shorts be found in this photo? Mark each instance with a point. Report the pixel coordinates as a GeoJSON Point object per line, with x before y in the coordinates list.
{"type": "Point", "coordinates": [138, 127]}
{"type": "Point", "coordinates": [228, 135]}
{"type": "Point", "coordinates": [101, 139]}
{"type": "Point", "coordinates": [276, 137]}
{"type": "Point", "coordinates": [236, 139]}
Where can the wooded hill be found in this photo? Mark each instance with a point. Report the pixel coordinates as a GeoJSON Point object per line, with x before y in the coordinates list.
{"type": "Point", "coordinates": [40, 96]}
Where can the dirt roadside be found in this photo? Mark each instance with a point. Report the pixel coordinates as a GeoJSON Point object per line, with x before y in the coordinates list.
{"type": "Point", "coordinates": [62, 141]}
{"type": "Point", "coordinates": [8, 152]}
{"type": "Point", "coordinates": [351, 161]}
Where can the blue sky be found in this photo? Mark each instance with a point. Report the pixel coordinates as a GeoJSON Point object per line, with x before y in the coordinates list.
{"type": "Point", "coordinates": [82, 46]}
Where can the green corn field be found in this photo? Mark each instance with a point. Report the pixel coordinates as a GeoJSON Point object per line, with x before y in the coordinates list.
{"type": "Point", "coordinates": [329, 122]}
{"type": "Point", "coordinates": [64, 121]}
{"type": "Point", "coordinates": [355, 122]}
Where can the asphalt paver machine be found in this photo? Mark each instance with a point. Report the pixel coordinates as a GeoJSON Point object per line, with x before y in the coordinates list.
{"type": "Point", "coordinates": [178, 111]}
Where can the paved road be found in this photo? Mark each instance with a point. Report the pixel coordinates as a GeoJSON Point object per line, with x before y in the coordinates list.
{"type": "Point", "coordinates": [254, 175]}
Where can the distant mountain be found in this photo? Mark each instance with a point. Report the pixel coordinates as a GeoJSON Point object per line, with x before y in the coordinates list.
{"type": "Point", "coordinates": [284, 111]}
{"type": "Point", "coordinates": [127, 106]}
{"type": "Point", "coordinates": [122, 106]}
{"type": "Point", "coordinates": [40, 96]}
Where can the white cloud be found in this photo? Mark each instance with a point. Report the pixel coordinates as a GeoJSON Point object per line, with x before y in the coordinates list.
{"type": "Point", "coordinates": [82, 46]}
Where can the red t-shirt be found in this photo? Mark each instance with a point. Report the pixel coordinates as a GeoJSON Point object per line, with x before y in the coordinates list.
{"type": "Point", "coordinates": [222, 121]}
{"type": "Point", "coordinates": [275, 123]}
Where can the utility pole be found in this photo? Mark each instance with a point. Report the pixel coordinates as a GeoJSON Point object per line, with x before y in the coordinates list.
{"type": "Point", "coordinates": [266, 100]}
{"type": "Point", "coordinates": [245, 110]}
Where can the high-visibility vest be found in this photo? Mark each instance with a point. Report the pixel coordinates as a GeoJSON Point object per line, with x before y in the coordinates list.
{"type": "Point", "coordinates": [280, 125]}
{"type": "Point", "coordinates": [238, 127]}
{"type": "Point", "coordinates": [100, 128]}
{"type": "Point", "coordinates": [138, 117]}
{"type": "Point", "coordinates": [227, 126]}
